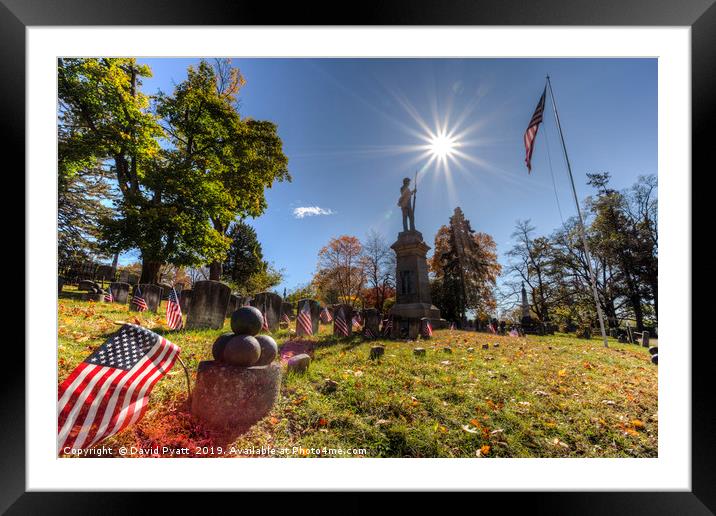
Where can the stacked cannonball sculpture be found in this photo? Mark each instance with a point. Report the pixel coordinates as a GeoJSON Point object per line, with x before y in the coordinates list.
{"type": "Point", "coordinates": [244, 347]}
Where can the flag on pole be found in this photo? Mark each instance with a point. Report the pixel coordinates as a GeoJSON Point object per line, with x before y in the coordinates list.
{"type": "Point", "coordinates": [303, 320]}
{"type": "Point", "coordinates": [427, 329]}
{"type": "Point", "coordinates": [109, 390]}
{"type": "Point", "coordinates": [138, 301]}
{"type": "Point", "coordinates": [264, 323]}
{"type": "Point", "coordinates": [326, 316]}
{"type": "Point", "coordinates": [531, 132]}
{"type": "Point", "coordinates": [340, 324]}
{"type": "Point", "coordinates": [387, 326]}
{"type": "Point", "coordinates": [174, 316]}
{"type": "Point", "coordinates": [368, 333]}
{"type": "Point", "coordinates": [108, 296]}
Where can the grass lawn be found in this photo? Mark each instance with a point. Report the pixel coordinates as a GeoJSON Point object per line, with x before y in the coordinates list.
{"type": "Point", "coordinates": [553, 396]}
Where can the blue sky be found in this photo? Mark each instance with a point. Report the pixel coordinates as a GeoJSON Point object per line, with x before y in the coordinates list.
{"type": "Point", "coordinates": [352, 130]}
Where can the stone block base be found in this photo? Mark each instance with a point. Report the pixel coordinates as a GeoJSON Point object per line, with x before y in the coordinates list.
{"type": "Point", "coordinates": [230, 399]}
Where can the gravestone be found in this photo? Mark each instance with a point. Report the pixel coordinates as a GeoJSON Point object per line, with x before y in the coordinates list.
{"type": "Point", "coordinates": [645, 339]}
{"type": "Point", "coordinates": [166, 288]}
{"type": "Point", "coordinates": [89, 286]}
{"type": "Point", "coordinates": [298, 363]}
{"type": "Point", "coordinates": [347, 312]}
{"type": "Point", "coordinates": [270, 305]}
{"type": "Point", "coordinates": [60, 283]}
{"type": "Point", "coordinates": [124, 276]}
{"type": "Point", "coordinates": [315, 309]}
{"type": "Point", "coordinates": [209, 300]}
{"type": "Point", "coordinates": [120, 292]}
{"type": "Point", "coordinates": [185, 301]}
{"type": "Point", "coordinates": [287, 308]}
{"type": "Point", "coordinates": [152, 295]}
{"type": "Point", "coordinates": [133, 279]}
{"type": "Point", "coordinates": [233, 305]}
{"type": "Point", "coordinates": [230, 398]}
{"type": "Point", "coordinates": [371, 321]}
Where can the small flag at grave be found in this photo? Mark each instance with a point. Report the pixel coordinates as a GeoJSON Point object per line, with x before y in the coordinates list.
{"type": "Point", "coordinates": [285, 318]}
{"type": "Point", "coordinates": [110, 390]}
{"type": "Point", "coordinates": [387, 326]}
{"type": "Point", "coordinates": [356, 323]}
{"type": "Point", "coordinates": [368, 333]}
{"type": "Point", "coordinates": [264, 324]}
{"type": "Point", "coordinates": [138, 301]}
{"type": "Point", "coordinates": [108, 296]}
{"type": "Point", "coordinates": [303, 320]}
{"type": "Point", "coordinates": [340, 324]}
{"type": "Point", "coordinates": [453, 326]}
{"type": "Point", "coordinates": [427, 329]}
{"type": "Point", "coordinates": [174, 316]}
{"type": "Point", "coordinates": [326, 316]}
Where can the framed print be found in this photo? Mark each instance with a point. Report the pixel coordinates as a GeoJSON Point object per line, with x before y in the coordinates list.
{"type": "Point", "coordinates": [423, 242]}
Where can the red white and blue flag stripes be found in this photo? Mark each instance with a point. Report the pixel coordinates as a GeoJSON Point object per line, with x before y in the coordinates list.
{"type": "Point", "coordinates": [110, 390]}
{"type": "Point", "coordinates": [174, 316]}
{"type": "Point", "coordinates": [303, 321]}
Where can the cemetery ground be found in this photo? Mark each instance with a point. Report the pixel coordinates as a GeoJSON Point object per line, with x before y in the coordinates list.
{"type": "Point", "coordinates": [551, 396]}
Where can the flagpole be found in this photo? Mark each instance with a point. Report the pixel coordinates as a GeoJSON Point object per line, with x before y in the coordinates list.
{"type": "Point", "coordinates": [582, 232]}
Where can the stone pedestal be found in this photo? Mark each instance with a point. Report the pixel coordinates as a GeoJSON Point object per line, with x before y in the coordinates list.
{"type": "Point", "coordinates": [209, 300]}
{"type": "Point", "coordinates": [152, 295]}
{"type": "Point", "coordinates": [413, 300]}
{"type": "Point", "coordinates": [185, 301]}
{"type": "Point", "coordinates": [230, 399]}
{"type": "Point", "coordinates": [120, 292]}
{"type": "Point", "coordinates": [315, 309]}
{"type": "Point", "coordinates": [270, 304]}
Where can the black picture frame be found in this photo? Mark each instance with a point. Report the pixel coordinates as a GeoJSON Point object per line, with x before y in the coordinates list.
{"type": "Point", "coordinates": [700, 15]}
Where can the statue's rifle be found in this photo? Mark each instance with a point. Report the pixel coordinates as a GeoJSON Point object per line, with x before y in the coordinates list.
{"type": "Point", "coordinates": [415, 191]}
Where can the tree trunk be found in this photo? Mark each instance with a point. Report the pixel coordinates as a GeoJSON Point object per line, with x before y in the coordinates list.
{"type": "Point", "coordinates": [150, 272]}
{"type": "Point", "coordinates": [215, 270]}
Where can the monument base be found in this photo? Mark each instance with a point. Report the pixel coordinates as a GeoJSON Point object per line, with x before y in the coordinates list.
{"type": "Point", "coordinates": [230, 399]}
{"type": "Point", "coordinates": [407, 316]}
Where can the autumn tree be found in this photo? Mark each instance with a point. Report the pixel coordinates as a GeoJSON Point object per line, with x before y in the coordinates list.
{"type": "Point", "coordinates": [340, 274]}
{"type": "Point", "coordinates": [465, 269]}
{"type": "Point", "coordinates": [378, 263]}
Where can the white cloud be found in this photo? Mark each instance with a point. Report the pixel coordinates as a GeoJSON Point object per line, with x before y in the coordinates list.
{"type": "Point", "coordinates": [311, 211]}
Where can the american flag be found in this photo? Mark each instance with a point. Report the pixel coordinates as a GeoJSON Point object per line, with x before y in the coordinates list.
{"type": "Point", "coordinates": [264, 324]}
{"type": "Point", "coordinates": [356, 322]}
{"type": "Point", "coordinates": [109, 390]}
{"type": "Point", "coordinates": [174, 319]}
{"type": "Point", "coordinates": [531, 132]}
{"type": "Point", "coordinates": [427, 329]}
{"type": "Point", "coordinates": [387, 326]}
{"type": "Point", "coordinates": [514, 333]}
{"type": "Point", "coordinates": [303, 320]}
{"type": "Point", "coordinates": [108, 296]}
{"type": "Point", "coordinates": [368, 333]}
{"type": "Point", "coordinates": [285, 318]}
{"type": "Point", "coordinates": [138, 301]}
{"type": "Point", "coordinates": [492, 328]}
{"type": "Point", "coordinates": [326, 316]}
{"type": "Point", "coordinates": [340, 325]}
{"type": "Point", "coordinates": [453, 326]}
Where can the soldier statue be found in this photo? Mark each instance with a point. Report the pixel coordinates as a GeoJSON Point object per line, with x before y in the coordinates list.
{"type": "Point", "coordinates": [407, 205]}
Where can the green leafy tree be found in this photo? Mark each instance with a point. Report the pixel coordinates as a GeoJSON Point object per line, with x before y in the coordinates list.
{"type": "Point", "coordinates": [244, 261]}
{"type": "Point", "coordinates": [238, 158]}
